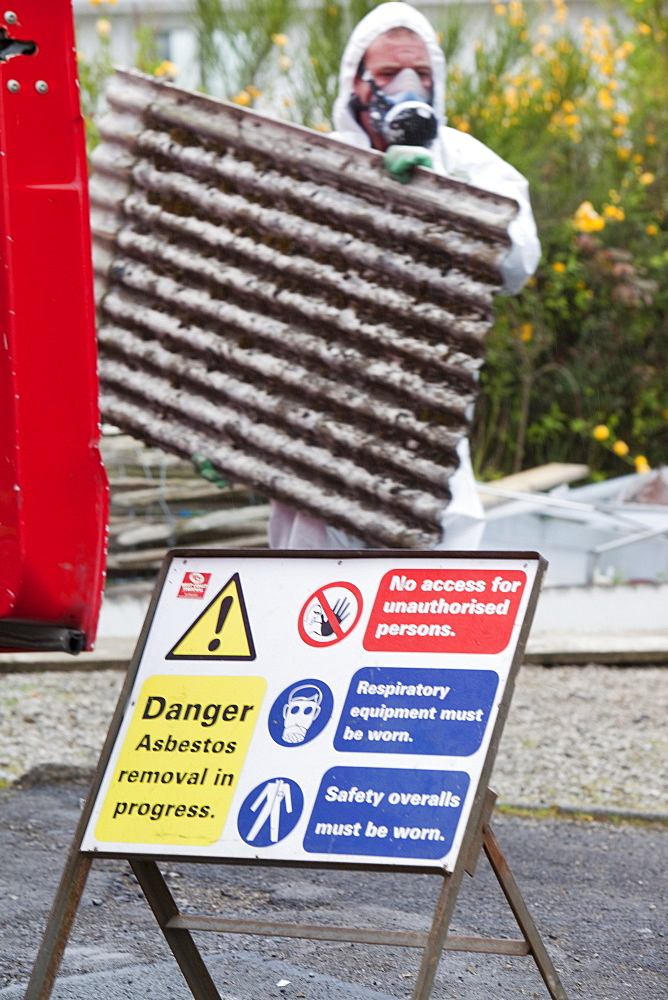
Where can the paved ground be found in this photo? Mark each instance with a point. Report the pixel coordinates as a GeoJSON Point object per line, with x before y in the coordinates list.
{"type": "Point", "coordinates": [597, 892]}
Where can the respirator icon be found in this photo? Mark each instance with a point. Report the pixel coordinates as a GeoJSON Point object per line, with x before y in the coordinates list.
{"type": "Point", "coordinates": [401, 111]}
{"type": "Point", "coordinates": [300, 712]}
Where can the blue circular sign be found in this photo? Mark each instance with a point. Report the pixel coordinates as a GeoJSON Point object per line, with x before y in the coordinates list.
{"type": "Point", "coordinates": [300, 713]}
{"type": "Point", "coordinates": [270, 812]}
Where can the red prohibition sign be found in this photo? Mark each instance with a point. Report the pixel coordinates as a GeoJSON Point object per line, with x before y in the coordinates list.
{"type": "Point", "coordinates": [330, 614]}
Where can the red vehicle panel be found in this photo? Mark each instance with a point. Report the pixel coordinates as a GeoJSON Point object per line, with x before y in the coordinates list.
{"type": "Point", "coordinates": [53, 489]}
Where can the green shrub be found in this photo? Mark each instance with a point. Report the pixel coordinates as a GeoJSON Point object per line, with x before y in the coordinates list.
{"type": "Point", "coordinates": [584, 348]}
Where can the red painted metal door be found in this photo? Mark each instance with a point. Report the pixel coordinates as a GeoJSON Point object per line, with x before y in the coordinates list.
{"type": "Point", "coordinates": [53, 489]}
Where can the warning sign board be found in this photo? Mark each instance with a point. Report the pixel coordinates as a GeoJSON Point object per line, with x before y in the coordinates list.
{"type": "Point", "coordinates": [451, 611]}
{"type": "Point", "coordinates": [330, 614]}
{"type": "Point", "coordinates": [222, 631]}
{"type": "Point", "coordinates": [181, 759]}
{"type": "Point", "coordinates": [355, 720]}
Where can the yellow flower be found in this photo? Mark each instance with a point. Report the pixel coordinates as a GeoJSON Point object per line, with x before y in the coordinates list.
{"type": "Point", "coordinates": [243, 98]}
{"type": "Point", "coordinates": [651, 139]}
{"type": "Point", "coordinates": [166, 68]}
{"type": "Point", "coordinates": [95, 3]}
{"type": "Point", "coordinates": [500, 9]}
{"type": "Point", "coordinates": [463, 125]}
{"type": "Point", "coordinates": [280, 40]}
{"type": "Point", "coordinates": [285, 62]}
{"type": "Point", "coordinates": [560, 12]}
{"type": "Point", "coordinates": [644, 29]}
{"type": "Point", "coordinates": [651, 230]}
{"type": "Point", "coordinates": [623, 152]}
{"type": "Point", "coordinates": [526, 332]}
{"type": "Point", "coordinates": [641, 464]}
{"type": "Point", "coordinates": [587, 219]}
{"type": "Point", "coordinates": [559, 267]}
{"type": "Point", "coordinates": [323, 127]}
{"type": "Point", "coordinates": [620, 448]}
{"type": "Point", "coordinates": [601, 432]}
{"type": "Point", "coordinates": [614, 212]}
{"type": "Point", "coordinates": [647, 178]}
{"type": "Point", "coordinates": [516, 16]}
{"type": "Point", "coordinates": [605, 99]}
{"type": "Point", "coordinates": [103, 27]}
{"type": "Point", "coordinates": [253, 91]}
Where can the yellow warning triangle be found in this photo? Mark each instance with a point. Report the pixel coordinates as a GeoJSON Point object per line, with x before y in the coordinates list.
{"type": "Point", "coordinates": [222, 631]}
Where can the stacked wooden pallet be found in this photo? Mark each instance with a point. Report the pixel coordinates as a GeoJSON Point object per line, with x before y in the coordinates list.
{"type": "Point", "coordinates": [160, 502]}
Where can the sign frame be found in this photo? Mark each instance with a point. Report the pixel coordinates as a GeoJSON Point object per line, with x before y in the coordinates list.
{"type": "Point", "coordinates": [176, 927]}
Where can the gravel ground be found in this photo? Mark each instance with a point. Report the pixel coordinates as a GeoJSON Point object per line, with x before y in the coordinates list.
{"type": "Point", "coordinates": [590, 737]}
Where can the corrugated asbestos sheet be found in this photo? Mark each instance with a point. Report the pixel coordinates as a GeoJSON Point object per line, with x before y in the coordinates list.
{"type": "Point", "coordinates": [271, 299]}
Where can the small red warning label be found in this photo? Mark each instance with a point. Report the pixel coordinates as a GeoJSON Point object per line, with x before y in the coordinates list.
{"type": "Point", "coordinates": [194, 585]}
{"type": "Point", "coordinates": [444, 611]}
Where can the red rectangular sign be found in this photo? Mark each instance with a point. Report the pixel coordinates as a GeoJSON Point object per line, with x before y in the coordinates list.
{"type": "Point", "coordinates": [194, 585]}
{"type": "Point", "coordinates": [438, 611]}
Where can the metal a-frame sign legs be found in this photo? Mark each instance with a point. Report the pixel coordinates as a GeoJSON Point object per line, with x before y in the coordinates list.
{"type": "Point", "coordinates": [177, 927]}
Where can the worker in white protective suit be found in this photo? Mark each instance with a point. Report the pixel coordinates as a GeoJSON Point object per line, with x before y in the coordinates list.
{"type": "Point", "coordinates": [391, 98]}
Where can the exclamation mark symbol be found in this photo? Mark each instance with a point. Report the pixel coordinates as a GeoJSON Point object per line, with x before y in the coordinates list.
{"type": "Point", "coordinates": [225, 606]}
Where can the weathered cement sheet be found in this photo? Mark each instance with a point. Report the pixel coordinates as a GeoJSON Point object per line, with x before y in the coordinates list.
{"type": "Point", "coordinates": [272, 299]}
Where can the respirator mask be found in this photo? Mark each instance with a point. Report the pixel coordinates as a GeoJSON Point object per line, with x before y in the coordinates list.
{"type": "Point", "coordinates": [401, 111]}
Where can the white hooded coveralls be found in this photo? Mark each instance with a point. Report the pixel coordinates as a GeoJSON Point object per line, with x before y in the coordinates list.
{"type": "Point", "coordinates": [458, 155]}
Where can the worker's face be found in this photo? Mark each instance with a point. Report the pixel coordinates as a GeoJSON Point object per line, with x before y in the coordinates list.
{"type": "Point", "coordinates": [383, 60]}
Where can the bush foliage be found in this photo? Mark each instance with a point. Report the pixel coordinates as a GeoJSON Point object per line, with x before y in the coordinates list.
{"type": "Point", "coordinates": [576, 364]}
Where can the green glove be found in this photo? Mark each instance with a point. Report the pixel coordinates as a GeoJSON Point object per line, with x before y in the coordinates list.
{"type": "Point", "coordinates": [400, 161]}
{"type": "Point", "coordinates": [207, 471]}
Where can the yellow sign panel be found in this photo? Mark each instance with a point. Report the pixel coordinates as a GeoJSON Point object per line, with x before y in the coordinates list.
{"type": "Point", "coordinates": [222, 631]}
{"type": "Point", "coordinates": [178, 768]}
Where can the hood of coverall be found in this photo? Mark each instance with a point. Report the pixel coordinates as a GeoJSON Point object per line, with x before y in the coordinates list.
{"type": "Point", "coordinates": [381, 19]}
